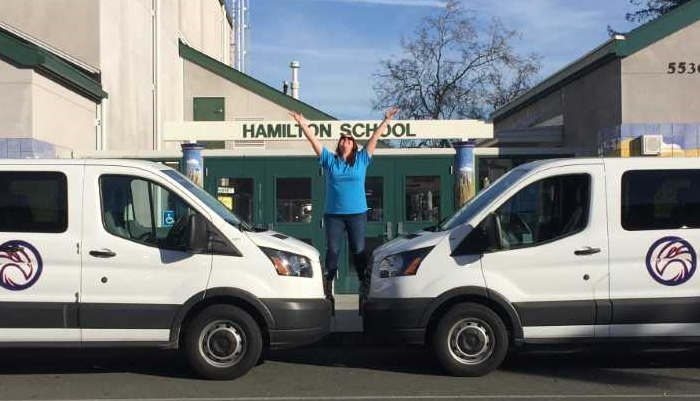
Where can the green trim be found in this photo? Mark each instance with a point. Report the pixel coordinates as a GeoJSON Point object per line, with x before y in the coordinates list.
{"type": "Point", "coordinates": [27, 55]}
{"type": "Point", "coordinates": [633, 41]}
{"type": "Point", "coordinates": [251, 84]}
{"type": "Point", "coordinates": [659, 28]}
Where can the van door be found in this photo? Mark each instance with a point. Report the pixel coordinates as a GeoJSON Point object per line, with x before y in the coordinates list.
{"type": "Point", "coordinates": [137, 268]}
{"type": "Point", "coordinates": [655, 237]}
{"type": "Point", "coordinates": [40, 223]}
{"type": "Point", "coordinates": [553, 258]}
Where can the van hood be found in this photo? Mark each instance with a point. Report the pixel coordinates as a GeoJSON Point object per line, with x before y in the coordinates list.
{"type": "Point", "coordinates": [420, 239]}
{"type": "Point", "coordinates": [283, 242]}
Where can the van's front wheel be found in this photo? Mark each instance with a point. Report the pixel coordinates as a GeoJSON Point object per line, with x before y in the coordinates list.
{"type": "Point", "coordinates": [470, 340]}
{"type": "Point", "coordinates": [223, 342]}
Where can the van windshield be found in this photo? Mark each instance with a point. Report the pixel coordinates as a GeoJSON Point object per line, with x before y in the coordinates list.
{"type": "Point", "coordinates": [483, 199]}
{"type": "Point", "coordinates": [209, 200]}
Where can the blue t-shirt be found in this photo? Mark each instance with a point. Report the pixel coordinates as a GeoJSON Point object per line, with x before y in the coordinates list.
{"type": "Point", "coordinates": [345, 184]}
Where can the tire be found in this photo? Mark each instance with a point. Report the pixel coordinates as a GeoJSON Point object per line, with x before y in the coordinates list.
{"type": "Point", "coordinates": [470, 340]}
{"type": "Point", "coordinates": [223, 342]}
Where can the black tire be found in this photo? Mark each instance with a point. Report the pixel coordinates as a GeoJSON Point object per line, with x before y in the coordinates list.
{"type": "Point", "coordinates": [470, 340]}
{"type": "Point", "coordinates": [223, 342]}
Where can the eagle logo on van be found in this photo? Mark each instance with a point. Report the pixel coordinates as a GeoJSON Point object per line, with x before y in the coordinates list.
{"type": "Point", "coordinates": [21, 267]}
{"type": "Point", "coordinates": [671, 261]}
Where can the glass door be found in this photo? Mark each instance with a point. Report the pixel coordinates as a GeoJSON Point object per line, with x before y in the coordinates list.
{"type": "Point", "coordinates": [426, 192]}
{"type": "Point", "coordinates": [295, 206]}
{"type": "Point", "coordinates": [239, 185]}
{"type": "Point", "coordinates": [381, 221]}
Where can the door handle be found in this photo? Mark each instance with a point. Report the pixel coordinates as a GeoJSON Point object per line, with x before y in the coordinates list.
{"type": "Point", "coordinates": [103, 253]}
{"type": "Point", "coordinates": [586, 251]}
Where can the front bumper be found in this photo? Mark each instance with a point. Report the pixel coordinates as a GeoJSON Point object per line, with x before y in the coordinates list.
{"type": "Point", "coordinates": [396, 317]}
{"type": "Point", "coordinates": [298, 322]}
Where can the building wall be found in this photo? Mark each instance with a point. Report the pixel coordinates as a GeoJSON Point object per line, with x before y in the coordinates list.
{"type": "Point", "coordinates": [591, 103]}
{"type": "Point", "coordinates": [204, 27]}
{"type": "Point", "coordinates": [61, 116]}
{"type": "Point", "coordinates": [126, 33]}
{"type": "Point", "coordinates": [71, 26]}
{"type": "Point", "coordinates": [239, 102]}
{"type": "Point", "coordinates": [544, 109]}
{"type": "Point", "coordinates": [650, 94]}
{"type": "Point", "coordinates": [15, 101]}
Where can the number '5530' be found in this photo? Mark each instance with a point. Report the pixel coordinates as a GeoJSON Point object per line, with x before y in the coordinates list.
{"type": "Point", "coordinates": [682, 68]}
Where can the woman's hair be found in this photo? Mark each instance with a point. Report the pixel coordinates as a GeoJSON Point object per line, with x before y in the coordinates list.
{"type": "Point", "coordinates": [351, 157]}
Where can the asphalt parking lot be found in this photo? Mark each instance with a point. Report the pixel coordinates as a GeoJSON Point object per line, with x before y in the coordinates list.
{"type": "Point", "coordinates": [353, 373]}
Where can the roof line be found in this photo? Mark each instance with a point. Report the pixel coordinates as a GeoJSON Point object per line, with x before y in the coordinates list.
{"type": "Point", "coordinates": [246, 81]}
{"type": "Point", "coordinates": [25, 54]}
{"type": "Point", "coordinates": [619, 46]}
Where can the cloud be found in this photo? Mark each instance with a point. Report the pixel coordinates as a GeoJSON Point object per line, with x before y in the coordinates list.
{"type": "Point", "coordinates": [408, 3]}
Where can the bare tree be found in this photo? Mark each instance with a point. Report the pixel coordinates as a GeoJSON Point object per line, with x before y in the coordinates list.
{"type": "Point", "coordinates": [652, 9]}
{"type": "Point", "coordinates": [451, 70]}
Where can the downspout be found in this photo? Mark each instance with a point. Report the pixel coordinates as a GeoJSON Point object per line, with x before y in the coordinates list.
{"type": "Point", "coordinates": [104, 124]}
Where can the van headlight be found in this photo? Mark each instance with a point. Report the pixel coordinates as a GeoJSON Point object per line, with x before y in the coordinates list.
{"type": "Point", "coordinates": [403, 264]}
{"type": "Point", "coordinates": [289, 264]}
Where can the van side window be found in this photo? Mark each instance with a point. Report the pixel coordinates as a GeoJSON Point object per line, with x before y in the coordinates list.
{"type": "Point", "coordinates": [660, 199]}
{"type": "Point", "coordinates": [144, 212]}
{"type": "Point", "coordinates": [34, 202]}
{"type": "Point", "coordinates": [545, 211]}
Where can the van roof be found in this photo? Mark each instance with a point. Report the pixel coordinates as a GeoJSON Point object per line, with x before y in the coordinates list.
{"type": "Point", "coordinates": [144, 164]}
{"type": "Point", "coordinates": [627, 162]}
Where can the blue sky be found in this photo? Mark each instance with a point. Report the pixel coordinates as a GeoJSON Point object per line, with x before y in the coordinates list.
{"type": "Point", "coordinates": [339, 42]}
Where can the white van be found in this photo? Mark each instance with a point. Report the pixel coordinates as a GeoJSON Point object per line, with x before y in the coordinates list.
{"type": "Point", "coordinates": [128, 253]}
{"type": "Point", "coordinates": [554, 251]}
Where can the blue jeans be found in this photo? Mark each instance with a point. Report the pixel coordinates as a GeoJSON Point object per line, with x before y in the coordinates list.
{"type": "Point", "coordinates": [336, 226]}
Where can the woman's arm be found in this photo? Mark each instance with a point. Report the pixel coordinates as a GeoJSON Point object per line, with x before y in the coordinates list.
{"type": "Point", "coordinates": [315, 143]}
{"type": "Point", "coordinates": [372, 143]}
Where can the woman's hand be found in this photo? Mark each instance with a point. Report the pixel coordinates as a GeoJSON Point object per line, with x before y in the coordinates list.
{"type": "Point", "coordinates": [315, 144]}
{"type": "Point", "coordinates": [298, 117]}
{"type": "Point", "coordinates": [372, 143]}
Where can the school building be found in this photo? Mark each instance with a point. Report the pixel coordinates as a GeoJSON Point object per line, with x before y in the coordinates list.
{"type": "Point", "coordinates": [107, 78]}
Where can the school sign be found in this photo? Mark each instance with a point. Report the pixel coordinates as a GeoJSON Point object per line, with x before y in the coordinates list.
{"type": "Point", "coordinates": [289, 130]}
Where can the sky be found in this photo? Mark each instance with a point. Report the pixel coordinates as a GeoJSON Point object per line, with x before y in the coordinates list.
{"type": "Point", "coordinates": [339, 43]}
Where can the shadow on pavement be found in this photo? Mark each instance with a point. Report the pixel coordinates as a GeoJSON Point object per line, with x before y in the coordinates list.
{"type": "Point", "coordinates": [614, 365]}
{"type": "Point", "coordinates": [154, 362]}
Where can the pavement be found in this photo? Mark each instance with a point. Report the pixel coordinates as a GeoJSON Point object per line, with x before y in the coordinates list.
{"type": "Point", "coordinates": [347, 318]}
{"type": "Point", "coordinates": [353, 373]}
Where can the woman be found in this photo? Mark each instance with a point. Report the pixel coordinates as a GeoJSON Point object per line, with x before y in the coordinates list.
{"type": "Point", "coordinates": [346, 204]}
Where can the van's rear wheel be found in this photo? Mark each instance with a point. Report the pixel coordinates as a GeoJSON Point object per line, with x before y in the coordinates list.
{"type": "Point", "coordinates": [470, 340]}
{"type": "Point", "coordinates": [223, 342]}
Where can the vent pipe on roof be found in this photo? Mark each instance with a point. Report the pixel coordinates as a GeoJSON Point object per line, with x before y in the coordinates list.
{"type": "Point", "coordinates": [295, 78]}
{"type": "Point", "coordinates": [285, 87]}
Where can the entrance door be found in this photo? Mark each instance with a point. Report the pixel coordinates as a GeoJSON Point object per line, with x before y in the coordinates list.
{"type": "Point", "coordinates": [425, 186]}
{"type": "Point", "coordinates": [239, 185]}
{"type": "Point", "coordinates": [381, 220]}
{"type": "Point", "coordinates": [295, 206]}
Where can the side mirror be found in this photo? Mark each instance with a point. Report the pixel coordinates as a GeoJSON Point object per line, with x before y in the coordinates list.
{"type": "Point", "coordinates": [482, 239]}
{"type": "Point", "coordinates": [198, 235]}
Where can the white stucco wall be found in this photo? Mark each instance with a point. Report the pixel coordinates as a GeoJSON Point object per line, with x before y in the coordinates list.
{"type": "Point", "coordinates": [126, 34]}
{"type": "Point", "coordinates": [71, 26]}
{"type": "Point", "coordinates": [650, 94]}
{"type": "Point", "coordinates": [15, 101]}
{"type": "Point", "coordinates": [61, 116]}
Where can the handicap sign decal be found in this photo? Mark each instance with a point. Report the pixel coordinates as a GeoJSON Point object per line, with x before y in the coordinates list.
{"type": "Point", "coordinates": [168, 218]}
